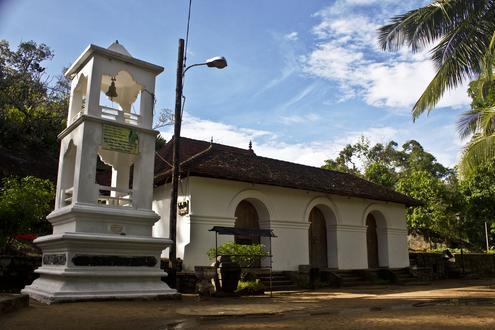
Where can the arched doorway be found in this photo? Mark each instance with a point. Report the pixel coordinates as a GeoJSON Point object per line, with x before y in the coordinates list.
{"type": "Point", "coordinates": [372, 242]}
{"type": "Point", "coordinates": [317, 239]}
{"type": "Point", "coordinates": [247, 218]}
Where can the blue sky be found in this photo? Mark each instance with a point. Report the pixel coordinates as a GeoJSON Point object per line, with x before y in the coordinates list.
{"type": "Point", "coordinates": [304, 77]}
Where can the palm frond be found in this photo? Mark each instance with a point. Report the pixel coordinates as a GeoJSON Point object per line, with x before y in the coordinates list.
{"type": "Point", "coordinates": [437, 86]}
{"type": "Point", "coordinates": [487, 121]}
{"type": "Point", "coordinates": [454, 64]}
{"type": "Point", "coordinates": [467, 123]}
{"type": "Point", "coordinates": [480, 150]}
{"type": "Point", "coordinates": [423, 26]}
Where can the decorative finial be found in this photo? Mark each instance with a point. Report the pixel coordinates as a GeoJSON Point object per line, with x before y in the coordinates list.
{"type": "Point", "coordinates": [250, 145]}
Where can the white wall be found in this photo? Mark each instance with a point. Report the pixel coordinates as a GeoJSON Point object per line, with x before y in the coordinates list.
{"type": "Point", "coordinates": [286, 211]}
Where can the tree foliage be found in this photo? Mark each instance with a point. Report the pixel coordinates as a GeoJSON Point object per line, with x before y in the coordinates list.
{"type": "Point", "coordinates": [478, 191]}
{"type": "Point", "coordinates": [435, 215]}
{"type": "Point", "coordinates": [32, 110]}
{"type": "Point", "coordinates": [478, 123]}
{"type": "Point", "coordinates": [410, 170]}
{"type": "Point", "coordinates": [24, 205]}
{"type": "Point", "coordinates": [246, 255]}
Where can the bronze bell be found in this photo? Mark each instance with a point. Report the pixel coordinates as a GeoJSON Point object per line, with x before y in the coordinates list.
{"type": "Point", "coordinates": [112, 90]}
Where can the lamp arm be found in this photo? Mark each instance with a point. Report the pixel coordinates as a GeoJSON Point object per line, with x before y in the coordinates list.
{"type": "Point", "coordinates": [192, 65]}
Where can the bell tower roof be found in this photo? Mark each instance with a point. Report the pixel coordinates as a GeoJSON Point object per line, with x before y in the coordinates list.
{"type": "Point", "coordinates": [119, 48]}
{"type": "Point", "coordinates": [114, 51]}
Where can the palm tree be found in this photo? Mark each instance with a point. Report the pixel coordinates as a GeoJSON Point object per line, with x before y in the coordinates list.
{"type": "Point", "coordinates": [479, 123]}
{"type": "Point", "coordinates": [460, 32]}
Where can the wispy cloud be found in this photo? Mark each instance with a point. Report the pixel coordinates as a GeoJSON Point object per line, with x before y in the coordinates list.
{"type": "Point", "coordinates": [291, 63]}
{"type": "Point", "coordinates": [269, 144]}
{"type": "Point", "coordinates": [346, 52]}
{"type": "Point", "coordinates": [301, 95]}
{"type": "Point", "coordinates": [299, 119]}
{"type": "Point", "coordinates": [293, 36]}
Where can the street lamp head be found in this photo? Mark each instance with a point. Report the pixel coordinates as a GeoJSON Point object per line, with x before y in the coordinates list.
{"type": "Point", "coordinates": [218, 62]}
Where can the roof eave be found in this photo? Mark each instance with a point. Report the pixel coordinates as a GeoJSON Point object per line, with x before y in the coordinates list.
{"type": "Point", "coordinates": [93, 49]}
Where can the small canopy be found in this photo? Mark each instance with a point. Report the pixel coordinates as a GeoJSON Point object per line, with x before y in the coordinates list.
{"type": "Point", "coordinates": [243, 232]}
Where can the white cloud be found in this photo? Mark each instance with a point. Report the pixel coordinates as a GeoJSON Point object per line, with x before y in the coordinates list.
{"type": "Point", "coordinates": [346, 52]}
{"type": "Point", "coordinates": [299, 119]}
{"type": "Point", "coordinates": [268, 144]}
{"type": "Point", "coordinates": [442, 142]}
{"type": "Point", "coordinates": [293, 36]}
{"type": "Point", "coordinates": [201, 129]}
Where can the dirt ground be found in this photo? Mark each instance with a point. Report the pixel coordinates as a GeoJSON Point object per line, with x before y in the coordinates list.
{"type": "Point", "coordinates": [443, 305]}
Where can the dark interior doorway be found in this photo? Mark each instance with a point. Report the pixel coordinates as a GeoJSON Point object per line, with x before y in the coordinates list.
{"type": "Point", "coordinates": [372, 242]}
{"type": "Point", "coordinates": [317, 239]}
{"type": "Point", "coordinates": [246, 218]}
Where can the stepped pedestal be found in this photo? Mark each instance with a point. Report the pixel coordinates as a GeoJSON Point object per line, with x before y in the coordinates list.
{"type": "Point", "coordinates": [89, 264]}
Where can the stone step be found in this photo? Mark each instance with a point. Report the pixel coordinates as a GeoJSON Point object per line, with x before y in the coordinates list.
{"type": "Point", "coordinates": [267, 278]}
{"type": "Point", "coordinates": [277, 283]}
{"type": "Point", "coordinates": [280, 282]}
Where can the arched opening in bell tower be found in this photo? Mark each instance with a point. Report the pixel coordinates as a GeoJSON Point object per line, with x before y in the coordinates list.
{"type": "Point", "coordinates": [118, 191]}
{"type": "Point", "coordinates": [67, 175]}
{"type": "Point", "coordinates": [120, 98]}
{"type": "Point", "coordinates": [78, 98]}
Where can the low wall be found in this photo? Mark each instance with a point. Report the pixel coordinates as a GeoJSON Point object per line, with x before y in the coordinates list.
{"type": "Point", "coordinates": [477, 263]}
{"type": "Point", "coordinates": [17, 271]}
{"type": "Point", "coordinates": [429, 266]}
{"type": "Point", "coordinates": [440, 267]}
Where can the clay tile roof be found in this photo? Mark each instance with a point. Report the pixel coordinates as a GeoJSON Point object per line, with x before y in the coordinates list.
{"type": "Point", "coordinates": [213, 160]}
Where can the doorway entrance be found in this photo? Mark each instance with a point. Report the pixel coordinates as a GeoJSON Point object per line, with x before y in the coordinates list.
{"type": "Point", "coordinates": [246, 218]}
{"type": "Point", "coordinates": [372, 242]}
{"type": "Point", "coordinates": [317, 239]}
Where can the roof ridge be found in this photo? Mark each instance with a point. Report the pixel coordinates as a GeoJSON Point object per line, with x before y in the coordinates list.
{"type": "Point", "coordinates": [216, 144]}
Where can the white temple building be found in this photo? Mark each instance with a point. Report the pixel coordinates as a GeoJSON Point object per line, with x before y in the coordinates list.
{"type": "Point", "coordinates": [322, 218]}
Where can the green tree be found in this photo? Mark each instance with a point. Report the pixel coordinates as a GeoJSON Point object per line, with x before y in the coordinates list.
{"type": "Point", "coordinates": [32, 111]}
{"type": "Point", "coordinates": [461, 32]}
{"type": "Point", "coordinates": [383, 163]}
{"type": "Point", "coordinates": [345, 161]}
{"type": "Point", "coordinates": [24, 205]}
{"type": "Point", "coordinates": [414, 172]}
{"type": "Point", "coordinates": [478, 191]}
{"type": "Point", "coordinates": [381, 174]}
{"type": "Point", "coordinates": [434, 215]}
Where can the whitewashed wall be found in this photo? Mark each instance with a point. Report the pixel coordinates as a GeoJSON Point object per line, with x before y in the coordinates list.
{"type": "Point", "coordinates": [286, 211]}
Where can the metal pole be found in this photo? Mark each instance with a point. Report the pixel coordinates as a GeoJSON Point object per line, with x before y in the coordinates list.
{"type": "Point", "coordinates": [176, 160]}
{"type": "Point", "coordinates": [271, 274]}
{"type": "Point", "coordinates": [486, 237]}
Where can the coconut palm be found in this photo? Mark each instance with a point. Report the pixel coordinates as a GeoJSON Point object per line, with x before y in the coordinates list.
{"type": "Point", "coordinates": [459, 31]}
{"type": "Point", "coordinates": [479, 123]}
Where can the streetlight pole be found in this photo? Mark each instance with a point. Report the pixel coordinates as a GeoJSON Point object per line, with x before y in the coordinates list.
{"type": "Point", "coordinates": [215, 62]}
{"type": "Point", "coordinates": [176, 160]}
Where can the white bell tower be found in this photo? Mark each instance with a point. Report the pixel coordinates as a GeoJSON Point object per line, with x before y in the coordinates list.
{"type": "Point", "coordinates": [102, 245]}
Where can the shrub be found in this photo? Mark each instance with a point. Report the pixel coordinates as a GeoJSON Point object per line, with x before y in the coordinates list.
{"type": "Point", "coordinates": [24, 205]}
{"type": "Point", "coordinates": [245, 255]}
{"type": "Point", "coordinates": [250, 287]}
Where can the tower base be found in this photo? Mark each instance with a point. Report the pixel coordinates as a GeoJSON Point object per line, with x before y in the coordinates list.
{"type": "Point", "coordinates": [88, 266]}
